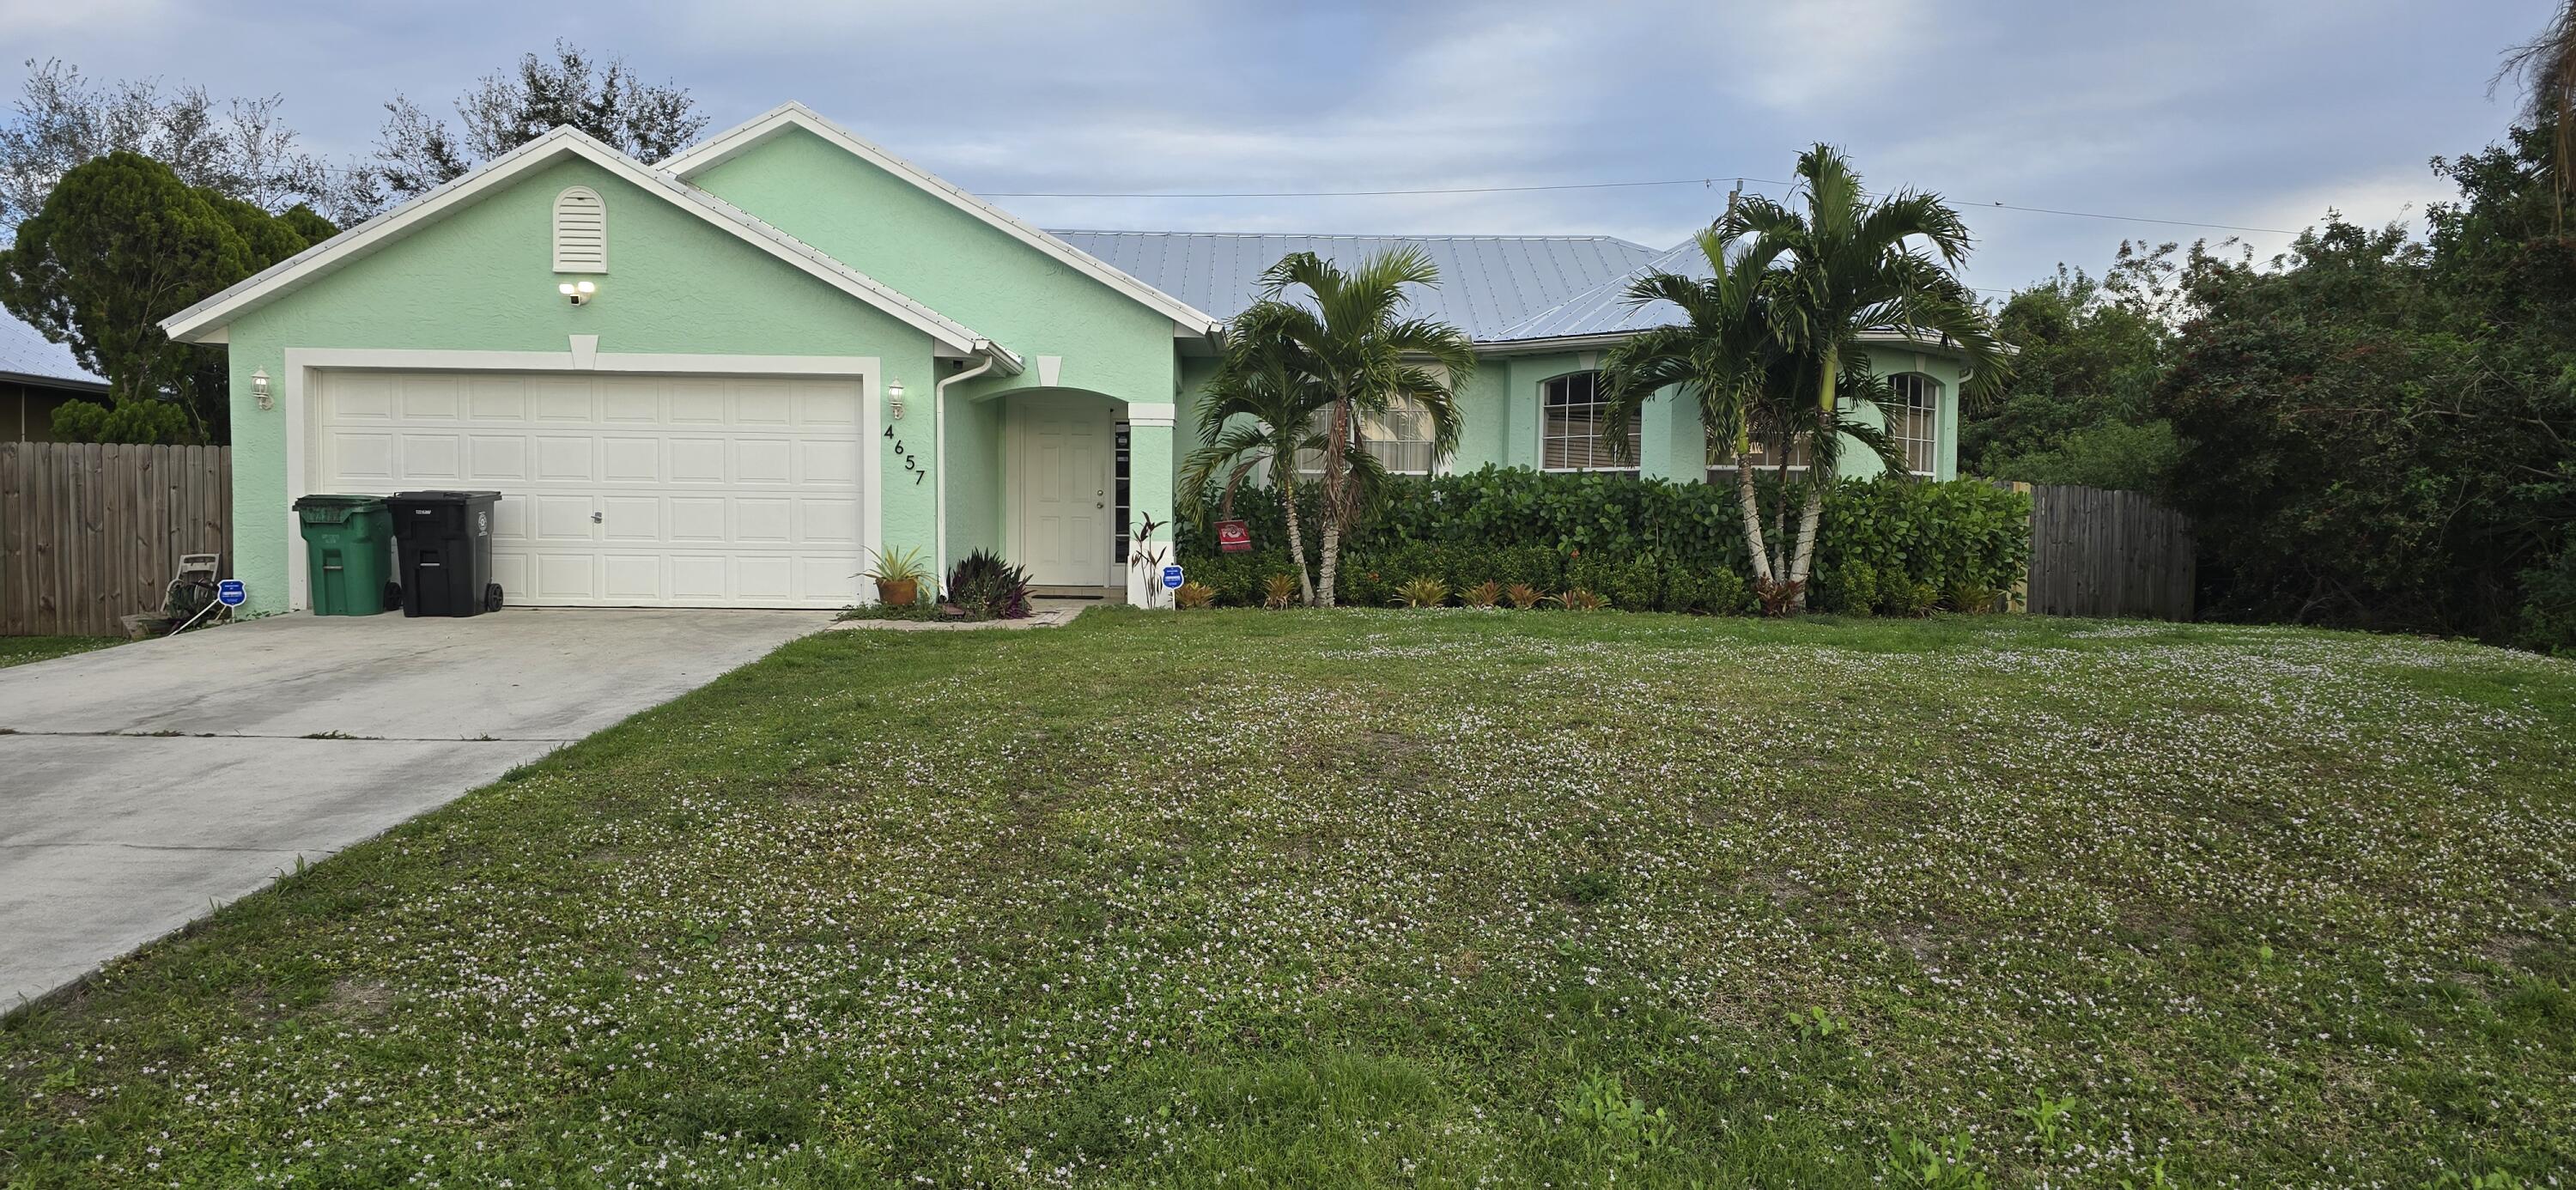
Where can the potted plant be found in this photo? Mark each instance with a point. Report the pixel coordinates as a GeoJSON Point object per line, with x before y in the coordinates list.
{"type": "Point", "coordinates": [898, 573]}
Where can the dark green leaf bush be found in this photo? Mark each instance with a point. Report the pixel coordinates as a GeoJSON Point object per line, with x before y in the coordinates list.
{"type": "Point", "coordinates": [1629, 539]}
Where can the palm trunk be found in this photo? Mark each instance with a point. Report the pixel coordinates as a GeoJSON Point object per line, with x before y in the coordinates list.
{"type": "Point", "coordinates": [1819, 474]}
{"type": "Point", "coordinates": [1751, 501]}
{"type": "Point", "coordinates": [1335, 435]}
{"type": "Point", "coordinates": [1332, 560]}
{"type": "Point", "coordinates": [1297, 541]}
{"type": "Point", "coordinates": [1780, 509]}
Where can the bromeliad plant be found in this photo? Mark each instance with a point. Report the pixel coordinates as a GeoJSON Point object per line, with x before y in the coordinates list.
{"type": "Point", "coordinates": [1420, 591]}
{"type": "Point", "coordinates": [983, 587]}
{"type": "Point", "coordinates": [1278, 591]}
{"type": "Point", "coordinates": [1192, 595]}
{"type": "Point", "coordinates": [1525, 596]}
{"type": "Point", "coordinates": [1484, 595]}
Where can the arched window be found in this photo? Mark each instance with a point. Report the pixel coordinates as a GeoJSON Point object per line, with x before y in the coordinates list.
{"type": "Point", "coordinates": [1913, 411]}
{"type": "Point", "coordinates": [1571, 420]}
{"type": "Point", "coordinates": [581, 231]}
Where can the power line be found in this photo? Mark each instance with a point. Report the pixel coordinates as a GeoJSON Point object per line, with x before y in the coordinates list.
{"type": "Point", "coordinates": [1706, 182]}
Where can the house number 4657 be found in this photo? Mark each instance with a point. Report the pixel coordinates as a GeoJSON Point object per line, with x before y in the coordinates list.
{"type": "Point", "coordinates": [910, 463]}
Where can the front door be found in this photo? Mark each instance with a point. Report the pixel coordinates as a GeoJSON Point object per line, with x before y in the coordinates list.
{"type": "Point", "coordinates": [1062, 478]}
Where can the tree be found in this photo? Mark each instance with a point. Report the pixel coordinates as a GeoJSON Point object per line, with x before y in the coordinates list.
{"type": "Point", "coordinates": [1266, 400]}
{"type": "Point", "coordinates": [1722, 355]}
{"type": "Point", "coordinates": [239, 148]}
{"type": "Point", "coordinates": [120, 244]}
{"type": "Point", "coordinates": [416, 152]}
{"type": "Point", "coordinates": [1356, 346]}
{"type": "Point", "coordinates": [1848, 265]}
{"type": "Point", "coordinates": [2090, 352]}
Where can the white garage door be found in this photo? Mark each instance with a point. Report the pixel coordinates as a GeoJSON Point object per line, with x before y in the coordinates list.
{"type": "Point", "coordinates": [622, 490]}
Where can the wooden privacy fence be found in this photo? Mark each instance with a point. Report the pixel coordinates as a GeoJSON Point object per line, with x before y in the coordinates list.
{"type": "Point", "coordinates": [2104, 553]}
{"type": "Point", "coordinates": [91, 533]}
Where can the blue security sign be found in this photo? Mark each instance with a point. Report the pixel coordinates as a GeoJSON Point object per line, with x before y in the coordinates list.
{"type": "Point", "coordinates": [231, 593]}
{"type": "Point", "coordinates": [1171, 578]}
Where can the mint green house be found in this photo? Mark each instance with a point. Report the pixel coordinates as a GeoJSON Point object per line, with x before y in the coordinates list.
{"type": "Point", "coordinates": [722, 379]}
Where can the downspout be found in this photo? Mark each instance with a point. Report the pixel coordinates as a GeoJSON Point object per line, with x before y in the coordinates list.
{"type": "Point", "coordinates": [939, 460]}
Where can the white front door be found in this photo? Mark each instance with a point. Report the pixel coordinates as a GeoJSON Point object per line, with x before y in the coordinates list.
{"type": "Point", "coordinates": [1061, 481]}
{"type": "Point", "coordinates": [623, 490]}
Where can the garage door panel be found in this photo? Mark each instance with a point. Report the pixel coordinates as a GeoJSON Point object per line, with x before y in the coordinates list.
{"type": "Point", "coordinates": [567, 577]}
{"type": "Point", "coordinates": [366, 458]}
{"type": "Point", "coordinates": [697, 460]}
{"type": "Point", "coordinates": [636, 577]}
{"type": "Point", "coordinates": [697, 576]}
{"type": "Point", "coordinates": [561, 399]}
{"type": "Point", "coordinates": [492, 459]}
{"type": "Point", "coordinates": [697, 518]}
{"type": "Point", "coordinates": [631, 518]}
{"type": "Point", "coordinates": [562, 518]}
{"type": "Point", "coordinates": [565, 459]}
{"type": "Point", "coordinates": [764, 460]}
{"type": "Point", "coordinates": [496, 398]}
{"type": "Point", "coordinates": [432, 460]}
{"type": "Point", "coordinates": [828, 522]}
{"type": "Point", "coordinates": [630, 460]}
{"type": "Point", "coordinates": [431, 397]}
{"type": "Point", "coordinates": [763, 520]}
{"type": "Point", "coordinates": [709, 491]}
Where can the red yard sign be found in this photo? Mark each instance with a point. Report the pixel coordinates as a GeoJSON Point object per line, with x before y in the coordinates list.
{"type": "Point", "coordinates": [1232, 537]}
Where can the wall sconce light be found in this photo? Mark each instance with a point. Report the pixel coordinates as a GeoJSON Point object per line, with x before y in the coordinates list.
{"type": "Point", "coordinates": [259, 390]}
{"type": "Point", "coordinates": [894, 398]}
{"type": "Point", "coordinates": [577, 293]}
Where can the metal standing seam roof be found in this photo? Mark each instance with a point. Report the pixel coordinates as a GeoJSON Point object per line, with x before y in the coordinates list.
{"type": "Point", "coordinates": [25, 353]}
{"type": "Point", "coordinates": [1603, 309]}
{"type": "Point", "coordinates": [1487, 283]}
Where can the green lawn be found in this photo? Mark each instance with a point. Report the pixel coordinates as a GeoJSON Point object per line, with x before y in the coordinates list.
{"type": "Point", "coordinates": [1414, 897]}
{"type": "Point", "coordinates": [19, 650]}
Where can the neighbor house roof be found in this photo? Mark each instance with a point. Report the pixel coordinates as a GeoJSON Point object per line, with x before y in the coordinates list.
{"type": "Point", "coordinates": [26, 355]}
{"type": "Point", "coordinates": [203, 322]}
{"type": "Point", "coordinates": [1603, 311]}
{"type": "Point", "coordinates": [1487, 283]}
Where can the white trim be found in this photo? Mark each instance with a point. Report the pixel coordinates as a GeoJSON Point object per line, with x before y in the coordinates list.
{"type": "Point", "coordinates": [585, 352]}
{"type": "Point", "coordinates": [287, 274]}
{"type": "Point", "coordinates": [726, 145]}
{"type": "Point", "coordinates": [302, 414]}
{"type": "Point", "coordinates": [1144, 413]}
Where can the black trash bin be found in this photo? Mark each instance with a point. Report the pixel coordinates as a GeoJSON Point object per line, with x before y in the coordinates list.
{"type": "Point", "coordinates": [443, 542]}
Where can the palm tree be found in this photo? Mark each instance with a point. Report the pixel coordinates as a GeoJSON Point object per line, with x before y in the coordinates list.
{"type": "Point", "coordinates": [1354, 343]}
{"type": "Point", "coordinates": [2547, 65]}
{"type": "Point", "coordinates": [1721, 355]}
{"type": "Point", "coordinates": [1265, 400]}
{"type": "Point", "coordinates": [1849, 265]}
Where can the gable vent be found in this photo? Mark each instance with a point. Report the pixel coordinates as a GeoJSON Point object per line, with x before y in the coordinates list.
{"type": "Point", "coordinates": [581, 232]}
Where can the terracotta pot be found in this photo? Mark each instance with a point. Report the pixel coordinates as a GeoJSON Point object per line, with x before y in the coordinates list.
{"type": "Point", "coordinates": [899, 593]}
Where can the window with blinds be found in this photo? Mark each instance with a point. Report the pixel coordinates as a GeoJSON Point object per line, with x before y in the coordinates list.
{"type": "Point", "coordinates": [581, 231]}
{"type": "Point", "coordinates": [1913, 413]}
{"type": "Point", "coordinates": [1572, 422]}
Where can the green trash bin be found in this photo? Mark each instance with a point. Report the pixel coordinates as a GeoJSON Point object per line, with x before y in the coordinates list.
{"type": "Point", "coordinates": [348, 546]}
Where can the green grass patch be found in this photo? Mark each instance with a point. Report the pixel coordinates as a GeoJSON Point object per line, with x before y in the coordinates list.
{"type": "Point", "coordinates": [20, 650]}
{"type": "Point", "coordinates": [1414, 898]}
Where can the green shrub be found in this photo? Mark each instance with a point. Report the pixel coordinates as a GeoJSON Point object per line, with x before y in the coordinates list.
{"type": "Point", "coordinates": [1511, 525]}
{"type": "Point", "coordinates": [1715, 592]}
{"type": "Point", "coordinates": [1909, 597]}
{"type": "Point", "coordinates": [1851, 588]}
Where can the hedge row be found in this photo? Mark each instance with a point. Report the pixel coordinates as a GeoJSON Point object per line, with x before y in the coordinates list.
{"type": "Point", "coordinates": [1888, 544]}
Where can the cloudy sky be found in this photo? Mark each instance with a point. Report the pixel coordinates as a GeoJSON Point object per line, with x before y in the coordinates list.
{"type": "Point", "coordinates": [2255, 113]}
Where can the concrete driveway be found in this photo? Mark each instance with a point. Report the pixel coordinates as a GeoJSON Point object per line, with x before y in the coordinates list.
{"type": "Point", "coordinates": [112, 835]}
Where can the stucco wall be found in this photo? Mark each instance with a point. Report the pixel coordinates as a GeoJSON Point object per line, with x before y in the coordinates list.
{"type": "Point", "coordinates": [883, 225]}
{"type": "Point", "coordinates": [481, 279]}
